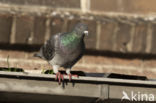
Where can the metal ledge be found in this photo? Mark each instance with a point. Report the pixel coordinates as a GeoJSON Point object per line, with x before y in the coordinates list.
{"type": "Point", "coordinates": [43, 87]}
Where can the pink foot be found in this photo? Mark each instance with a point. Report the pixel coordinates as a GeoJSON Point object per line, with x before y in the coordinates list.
{"type": "Point", "coordinates": [59, 76]}
{"type": "Point", "coordinates": [72, 75]}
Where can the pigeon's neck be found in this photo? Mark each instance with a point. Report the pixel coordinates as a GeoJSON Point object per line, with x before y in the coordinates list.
{"type": "Point", "coordinates": [70, 38]}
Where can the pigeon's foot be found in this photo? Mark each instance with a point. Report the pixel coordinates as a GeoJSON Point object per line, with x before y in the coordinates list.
{"type": "Point", "coordinates": [72, 75]}
{"type": "Point", "coordinates": [59, 77]}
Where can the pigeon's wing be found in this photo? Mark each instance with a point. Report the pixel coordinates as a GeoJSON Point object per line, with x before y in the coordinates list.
{"type": "Point", "coordinates": [51, 46]}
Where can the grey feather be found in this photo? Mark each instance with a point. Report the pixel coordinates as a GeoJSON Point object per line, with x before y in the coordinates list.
{"type": "Point", "coordinates": [58, 54]}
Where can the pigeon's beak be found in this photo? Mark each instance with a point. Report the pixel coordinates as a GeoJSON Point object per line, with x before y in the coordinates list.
{"type": "Point", "coordinates": [86, 32]}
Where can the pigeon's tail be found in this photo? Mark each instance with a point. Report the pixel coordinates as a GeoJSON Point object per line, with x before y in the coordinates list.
{"type": "Point", "coordinates": [37, 55]}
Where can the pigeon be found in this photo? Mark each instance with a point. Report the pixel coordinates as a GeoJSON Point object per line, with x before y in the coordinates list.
{"type": "Point", "coordinates": [64, 49]}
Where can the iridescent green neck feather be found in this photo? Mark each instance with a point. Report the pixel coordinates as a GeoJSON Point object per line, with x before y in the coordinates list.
{"type": "Point", "coordinates": [70, 39]}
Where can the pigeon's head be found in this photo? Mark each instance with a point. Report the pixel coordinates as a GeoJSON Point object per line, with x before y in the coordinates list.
{"type": "Point", "coordinates": [81, 29]}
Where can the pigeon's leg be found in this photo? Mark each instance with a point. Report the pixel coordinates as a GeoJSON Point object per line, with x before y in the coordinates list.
{"type": "Point", "coordinates": [70, 75]}
{"type": "Point", "coordinates": [59, 76]}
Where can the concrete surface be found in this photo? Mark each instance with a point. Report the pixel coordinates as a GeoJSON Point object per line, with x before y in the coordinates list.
{"type": "Point", "coordinates": [30, 88]}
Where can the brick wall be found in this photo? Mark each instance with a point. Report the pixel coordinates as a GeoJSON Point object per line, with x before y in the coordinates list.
{"type": "Point", "coordinates": [113, 25]}
{"type": "Point", "coordinates": [113, 35]}
{"type": "Point", "coordinates": [124, 6]}
{"type": "Point", "coordinates": [117, 26]}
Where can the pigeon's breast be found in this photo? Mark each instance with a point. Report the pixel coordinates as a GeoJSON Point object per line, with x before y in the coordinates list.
{"type": "Point", "coordinates": [66, 57]}
{"type": "Point", "coordinates": [57, 60]}
{"type": "Point", "coordinates": [67, 60]}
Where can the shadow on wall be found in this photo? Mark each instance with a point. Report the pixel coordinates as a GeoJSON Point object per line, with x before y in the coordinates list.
{"type": "Point", "coordinates": [34, 48]}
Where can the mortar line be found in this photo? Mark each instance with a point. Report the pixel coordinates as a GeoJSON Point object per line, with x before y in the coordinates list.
{"type": "Point", "coordinates": [98, 34]}
{"type": "Point", "coordinates": [130, 43]}
{"type": "Point", "coordinates": [149, 38]}
{"type": "Point", "coordinates": [47, 31]}
{"type": "Point", "coordinates": [114, 36]}
{"type": "Point", "coordinates": [31, 36]}
{"type": "Point", "coordinates": [89, 5]}
{"type": "Point", "coordinates": [85, 5]}
{"type": "Point", "coordinates": [120, 5]}
{"type": "Point", "coordinates": [13, 31]}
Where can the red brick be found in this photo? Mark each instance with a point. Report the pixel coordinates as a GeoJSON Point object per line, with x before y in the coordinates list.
{"type": "Point", "coordinates": [5, 29]}
{"type": "Point", "coordinates": [104, 5]}
{"type": "Point", "coordinates": [150, 64]}
{"type": "Point", "coordinates": [106, 36]}
{"type": "Point", "coordinates": [123, 37]}
{"type": "Point", "coordinates": [39, 30]}
{"type": "Point", "coordinates": [150, 74]}
{"type": "Point", "coordinates": [99, 60]}
{"type": "Point", "coordinates": [3, 64]}
{"type": "Point", "coordinates": [13, 54]}
{"type": "Point", "coordinates": [127, 62]}
{"type": "Point", "coordinates": [56, 25]}
{"type": "Point", "coordinates": [139, 43]}
{"type": "Point", "coordinates": [87, 70]}
{"type": "Point", "coordinates": [135, 6]}
{"type": "Point", "coordinates": [24, 28]}
{"type": "Point", "coordinates": [126, 6]}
